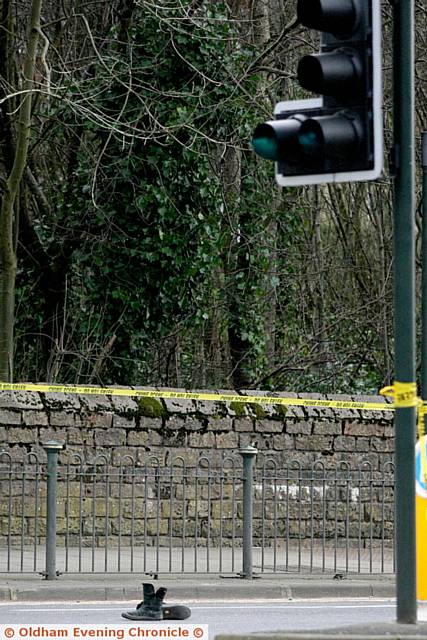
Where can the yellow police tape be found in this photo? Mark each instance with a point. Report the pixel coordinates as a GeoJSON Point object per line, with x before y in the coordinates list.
{"type": "Point", "coordinates": [404, 395]}
{"type": "Point", "coordinates": [194, 395]}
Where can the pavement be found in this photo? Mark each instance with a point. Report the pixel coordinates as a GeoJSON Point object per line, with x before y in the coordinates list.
{"type": "Point", "coordinates": [191, 587]}
{"type": "Point", "coordinates": [391, 631]}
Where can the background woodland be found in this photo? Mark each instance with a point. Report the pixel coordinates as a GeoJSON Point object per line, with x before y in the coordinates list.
{"type": "Point", "coordinates": [142, 242]}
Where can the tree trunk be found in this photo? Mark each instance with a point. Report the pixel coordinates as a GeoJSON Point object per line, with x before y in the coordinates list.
{"type": "Point", "coordinates": [8, 219]}
{"type": "Point", "coordinates": [236, 260]}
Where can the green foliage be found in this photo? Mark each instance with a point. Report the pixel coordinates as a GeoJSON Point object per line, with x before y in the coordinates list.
{"type": "Point", "coordinates": [151, 266]}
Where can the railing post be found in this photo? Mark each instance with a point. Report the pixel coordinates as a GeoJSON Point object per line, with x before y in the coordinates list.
{"type": "Point", "coordinates": [248, 454]}
{"type": "Point", "coordinates": [52, 448]}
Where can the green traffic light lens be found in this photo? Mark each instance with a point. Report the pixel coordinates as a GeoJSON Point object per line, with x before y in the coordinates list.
{"type": "Point", "coordinates": [265, 143]}
{"type": "Point", "coordinates": [311, 140]}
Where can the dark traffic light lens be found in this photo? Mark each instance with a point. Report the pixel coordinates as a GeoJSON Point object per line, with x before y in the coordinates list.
{"type": "Point", "coordinates": [332, 73]}
{"type": "Point", "coordinates": [265, 142]}
{"type": "Point", "coordinates": [310, 73]}
{"type": "Point", "coordinates": [338, 17]}
{"type": "Point", "coordinates": [311, 139]}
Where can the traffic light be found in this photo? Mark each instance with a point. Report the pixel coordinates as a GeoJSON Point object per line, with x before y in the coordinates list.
{"type": "Point", "coordinates": [337, 137]}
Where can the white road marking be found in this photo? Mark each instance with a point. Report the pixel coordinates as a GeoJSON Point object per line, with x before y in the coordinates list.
{"type": "Point", "coordinates": [271, 607]}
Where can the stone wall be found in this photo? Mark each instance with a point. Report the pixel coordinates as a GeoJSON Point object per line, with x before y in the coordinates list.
{"type": "Point", "coordinates": [150, 502]}
{"type": "Point", "coordinates": [119, 426]}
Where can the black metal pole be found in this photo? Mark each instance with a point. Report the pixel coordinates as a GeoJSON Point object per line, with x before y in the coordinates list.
{"type": "Point", "coordinates": [424, 274]}
{"type": "Point", "coordinates": [52, 449]}
{"type": "Point", "coordinates": [248, 454]}
{"type": "Point", "coordinates": [404, 305]}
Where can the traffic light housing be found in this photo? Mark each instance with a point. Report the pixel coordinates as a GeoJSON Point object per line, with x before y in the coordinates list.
{"type": "Point", "coordinates": [337, 137]}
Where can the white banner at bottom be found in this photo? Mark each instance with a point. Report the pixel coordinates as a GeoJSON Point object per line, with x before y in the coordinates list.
{"type": "Point", "coordinates": [131, 631]}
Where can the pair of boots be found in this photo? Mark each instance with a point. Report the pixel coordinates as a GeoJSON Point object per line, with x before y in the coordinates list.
{"type": "Point", "coordinates": [153, 608]}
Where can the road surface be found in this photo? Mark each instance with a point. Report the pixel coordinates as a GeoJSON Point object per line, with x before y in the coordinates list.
{"type": "Point", "coordinates": [222, 617]}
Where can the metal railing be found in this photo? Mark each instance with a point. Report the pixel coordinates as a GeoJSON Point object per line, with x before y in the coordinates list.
{"type": "Point", "coordinates": [226, 515]}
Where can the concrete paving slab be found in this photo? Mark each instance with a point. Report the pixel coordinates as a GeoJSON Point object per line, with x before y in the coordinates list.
{"type": "Point", "coordinates": [90, 587]}
{"type": "Point", "coordinates": [389, 631]}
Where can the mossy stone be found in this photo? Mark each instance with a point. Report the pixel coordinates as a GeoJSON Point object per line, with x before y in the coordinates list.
{"type": "Point", "coordinates": [151, 408]}
{"type": "Point", "coordinates": [238, 408]}
{"type": "Point", "coordinates": [281, 409]}
{"type": "Point", "coordinates": [257, 410]}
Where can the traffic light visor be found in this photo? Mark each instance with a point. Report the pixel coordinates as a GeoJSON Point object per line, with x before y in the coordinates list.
{"type": "Point", "coordinates": [265, 142]}
{"type": "Point", "coordinates": [333, 16]}
{"type": "Point", "coordinates": [336, 136]}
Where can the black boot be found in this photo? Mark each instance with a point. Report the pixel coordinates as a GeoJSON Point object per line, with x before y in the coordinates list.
{"type": "Point", "coordinates": [151, 607]}
{"type": "Point", "coordinates": [169, 612]}
{"type": "Point", "coordinates": [175, 612]}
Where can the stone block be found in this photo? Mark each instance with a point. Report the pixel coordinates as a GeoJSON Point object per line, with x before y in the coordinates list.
{"type": "Point", "coordinates": [362, 444]}
{"type": "Point", "coordinates": [244, 424]}
{"type": "Point", "coordinates": [246, 439]}
{"type": "Point", "coordinates": [341, 413]}
{"type": "Point", "coordinates": [193, 424]}
{"type": "Point", "coordinates": [95, 403]}
{"type": "Point", "coordinates": [191, 459]}
{"type": "Point", "coordinates": [269, 426]}
{"type": "Point", "coordinates": [137, 438]}
{"type": "Point", "coordinates": [316, 412]}
{"type": "Point", "coordinates": [34, 418]}
{"type": "Point", "coordinates": [155, 438]}
{"type": "Point", "coordinates": [100, 419]}
{"type": "Point", "coordinates": [124, 404]}
{"type": "Point", "coordinates": [284, 441]}
{"type": "Point", "coordinates": [175, 423]}
{"type": "Point", "coordinates": [182, 406]}
{"type": "Point", "coordinates": [125, 456]}
{"type": "Point", "coordinates": [382, 444]}
{"type": "Point", "coordinates": [220, 424]}
{"type": "Point", "coordinates": [289, 411]}
{"type": "Point", "coordinates": [110, 437]}
{"type": "Point", "coordinates": [202, 440]}
{"type": "Point", "coordinates": [345, 443]}
{"type": "Point", "coordinates": [79, 436]}
{"type": "Point", "coordinates": [123, 422]}
{"type": "Point", "coordinates": [175, 439]}
{"type": "Point", "coordinates": [61, 401]}
{"type": "Point", "coordinates": [236, 409]}
{"type": "Point", "coordinates": [151, 424]}
{"type": "Point", "coordinates": [10, 417]}
{"type": "Point", "coordinates": [355, 459]}
{"type": "Point", "coordinates": [52, 433]}
{"type": "Point", "coordinates": [299, 427]}
{"type": "Point", "coordinates": [327, 428]}
{"type": "Point", "coordinates": [314, 443]}
{"type": "Point", "coordinates": [373, 416]}
{"type": "Point", "coordinates": [21, 400]}
{"type": "Point", "coordinates": [260, 409]}
{"type": "Point", "coordinates": [360, 429]}
{"type": "Point", "coordinates": [226, 440]}
{"type": "Point", "coordinates": [210, 408]}
{"type": "Point", "coordinates": [62, 419]}
{"type": "Point", "coordinates": [21, 435]}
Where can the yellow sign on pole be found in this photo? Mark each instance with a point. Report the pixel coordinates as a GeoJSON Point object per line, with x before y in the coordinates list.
{"type": "Point", "coordinates": [421, 517]}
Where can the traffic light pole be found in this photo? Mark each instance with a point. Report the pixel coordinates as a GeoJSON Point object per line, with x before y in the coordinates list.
{"type": "Point", "coordinates": [404, 305]}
